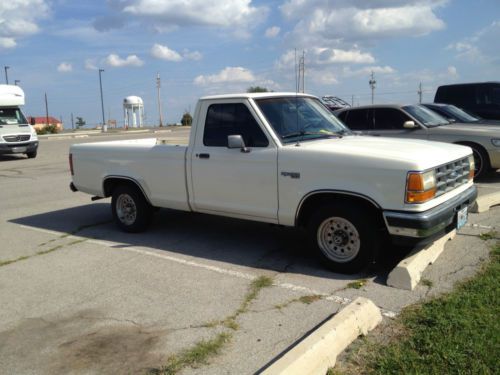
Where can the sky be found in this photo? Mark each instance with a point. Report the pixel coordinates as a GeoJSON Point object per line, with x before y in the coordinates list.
{"type": "Point", "coordinates": [204, 47]}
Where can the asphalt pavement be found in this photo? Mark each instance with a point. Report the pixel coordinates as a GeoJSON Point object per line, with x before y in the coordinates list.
{"type": "Point", "coordinates": [80, 296]}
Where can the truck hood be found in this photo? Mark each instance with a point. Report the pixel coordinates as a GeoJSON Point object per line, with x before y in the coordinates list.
{"type": "Point", "coordinates": [414, 153]}
{"type": "Point", "coordinates": [14, 129]}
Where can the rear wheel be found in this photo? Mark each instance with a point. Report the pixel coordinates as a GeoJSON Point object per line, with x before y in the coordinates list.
{"type": "Point", "coordinates": [345, 237]}
{"type": "Point", "coordinates": [131, 211]}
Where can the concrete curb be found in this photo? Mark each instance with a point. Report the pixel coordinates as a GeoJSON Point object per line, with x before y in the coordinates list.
{"type": "Point", "coordinates": [64, 136]}
{"type": "Point", "coordinates": [485, 201]}
{"type": "Point", "coordinates": [408, 272]}
{"type": "Point", "coordinates": [319, 351]}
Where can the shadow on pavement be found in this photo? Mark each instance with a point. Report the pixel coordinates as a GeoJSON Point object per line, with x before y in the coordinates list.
{"type": "Point", "coordinates": [240, 242]}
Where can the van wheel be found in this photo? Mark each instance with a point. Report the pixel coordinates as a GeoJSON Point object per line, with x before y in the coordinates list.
{"type": "Point", "coordinates": [345, 237]}
{"type": "Point", "coordinates": [31, 155]}
{"type": "Point", "coordinates": [131, 211]}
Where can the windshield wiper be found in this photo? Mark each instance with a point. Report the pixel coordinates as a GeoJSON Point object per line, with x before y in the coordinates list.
{"type": "Point", "coordinates": [302, 133]}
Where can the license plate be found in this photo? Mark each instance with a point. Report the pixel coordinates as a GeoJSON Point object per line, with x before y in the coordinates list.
{"type": "Point", "coordinates": [461, 217]}
{"type": "Point", "coordinates": [18, 149]}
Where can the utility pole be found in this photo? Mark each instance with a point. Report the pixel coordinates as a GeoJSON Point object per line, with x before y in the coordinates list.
{"type": "Point", "coordinates": [352, 101]}
{"type": "Point", "coordinates": [372, 83]}
{"type": "Point", "coordinates": [46, 111]}
{"type": "Point", "coordinates": [419, 92]}
{"type": "Point", "coordinates": [158, 86]}
{"type": "Point", "coordinates": [72, 122]}
{"type": "Point", "coordinates": [6, 75]}
{"type": "Point", "coordinates": [16, 82]}
{"type": "Point", "coordinates": [102, 102]}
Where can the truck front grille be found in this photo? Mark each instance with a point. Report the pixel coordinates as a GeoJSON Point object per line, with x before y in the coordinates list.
{"type": "Point", "coordinates": [452, 175]}
{"type": "Point", "coordinates": [16, 138]}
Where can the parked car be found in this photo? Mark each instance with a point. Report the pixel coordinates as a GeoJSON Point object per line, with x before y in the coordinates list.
{"type": "Point", "coordinates": [16, 135]}
{"type": "Point", "coordinates": [284, 158]}
{"type": "Point", "coordinates": [417, 121]}
{"type": "Point", "coordinates": [482, 98]}
{"type": "Point", "coordinates": [455, 114]}
{"type": "Point", "coordinates": [333, 102]}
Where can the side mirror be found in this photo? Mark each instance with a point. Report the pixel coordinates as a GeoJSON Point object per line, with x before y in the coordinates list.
{"type": "Point", "coordinates": [451, 120]}
{"type": "Point", "coordinates": [410, 125]}
{"type": "Point", "coordinates": [236, 141]}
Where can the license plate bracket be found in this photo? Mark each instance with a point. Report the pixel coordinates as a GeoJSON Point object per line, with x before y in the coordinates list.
{"type": "Point", "coordinates": [461, 217]}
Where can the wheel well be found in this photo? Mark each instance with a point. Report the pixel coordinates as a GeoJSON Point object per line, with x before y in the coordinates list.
{"type": "Point", "coordinates": [111, 183]}
{"type": "Point", "coordinates": [317, 200]}
{"type": "Point", "coordinates": [477, 146]}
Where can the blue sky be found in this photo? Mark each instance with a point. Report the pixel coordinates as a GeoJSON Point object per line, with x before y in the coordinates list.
{"type": "Point", "coordinates": [202, 47]}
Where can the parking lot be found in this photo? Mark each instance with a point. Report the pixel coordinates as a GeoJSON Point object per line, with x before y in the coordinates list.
{"type": "Point", "coordinates": [80, 296]}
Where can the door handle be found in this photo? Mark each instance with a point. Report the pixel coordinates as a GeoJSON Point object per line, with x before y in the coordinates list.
{"type": "Point", "coordinates": [203, 156]}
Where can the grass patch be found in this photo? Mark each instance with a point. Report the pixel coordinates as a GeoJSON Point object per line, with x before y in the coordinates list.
{"type": "Point", "coordinates": [308, 299]}
{"type": "Point", "coordinates": [198, 355]}
{"type": "Point", "coordinates": [426, 282]}
{"type": "Point", "coordinates": [458, 333]}
{"type": "Point", "coordinates": [43, 252]}
{"type": "Point", "coordinates": [358, 284]}
{"type": "Point", "coordinates": [491, 235]}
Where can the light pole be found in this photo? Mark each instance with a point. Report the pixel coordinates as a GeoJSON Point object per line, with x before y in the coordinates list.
{"type": "Point", "coordinates": [102, 101]}
{"type": "Point", "coordinates": [6, 75]}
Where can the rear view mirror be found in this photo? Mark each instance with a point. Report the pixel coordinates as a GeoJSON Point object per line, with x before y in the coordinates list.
{"type": "Point", "coordinates": [236, 141]}
{"type": "Point", "coordinates": [410, 125]}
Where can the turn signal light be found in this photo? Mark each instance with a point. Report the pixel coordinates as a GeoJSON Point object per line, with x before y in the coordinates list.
{"type": "Point", "coordinates": [472, 166]}
{"type": "Point", "coordinates": [420, 187]}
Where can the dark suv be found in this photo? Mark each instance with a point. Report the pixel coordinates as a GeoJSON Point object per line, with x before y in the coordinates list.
{"type": "Point", "coordinates": [482, 98]}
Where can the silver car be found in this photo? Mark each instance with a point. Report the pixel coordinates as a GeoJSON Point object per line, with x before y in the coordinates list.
{"type": "Point", "coordinates": [416, 121]}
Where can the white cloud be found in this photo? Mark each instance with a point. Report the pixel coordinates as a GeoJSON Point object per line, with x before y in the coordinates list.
{"type": "Point", "coordinates": [229, 74]}
{"type": "Point", "coordinates": [192, 55]}
{"type": "Point", "coordinates": [116, 61]}
{"type": "Point", "coordinates": [336, 56]}
{"type": "Point", "coordinates": [366, 71]}
{"type": "Point", "coordinates": [340, 21]}
{"type": "Point", "coordinates": [7, 43]}
{"type": "Point", "coordinates": [272, 32]}
{"type": "Point", "coordinates": [482, 47]}
{"type": "Point", "coordinates": [238, 15]}
{"type": "Point", "coordinates": [18, 18]}
{"type": "Point", "coordinates": [165, 53]}
{"type": "Point", "coordinates": [64, 67]}
{"type": "Point", "coordinates": [90, 64]}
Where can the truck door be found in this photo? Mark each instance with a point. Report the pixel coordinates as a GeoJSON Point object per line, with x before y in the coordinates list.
{"type": "Point", "coordinates": [230, 181]}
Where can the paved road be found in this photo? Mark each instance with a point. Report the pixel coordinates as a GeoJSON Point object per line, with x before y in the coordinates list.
{"type": "Point", "coordinates": [82, 297]}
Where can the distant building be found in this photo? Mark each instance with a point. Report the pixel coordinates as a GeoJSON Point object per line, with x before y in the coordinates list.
{"type": "Point", "coordinates": [40, 122]}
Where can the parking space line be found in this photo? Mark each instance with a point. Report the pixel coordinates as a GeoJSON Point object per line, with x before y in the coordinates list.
{"type": "Point", "coordinates": [241, 275]}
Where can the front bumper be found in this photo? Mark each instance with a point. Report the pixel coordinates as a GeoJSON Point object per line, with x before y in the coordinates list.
{"type": "Point", "coordinates": [421, 225]}
{"type": "Point", "coordinates": [18, 148]}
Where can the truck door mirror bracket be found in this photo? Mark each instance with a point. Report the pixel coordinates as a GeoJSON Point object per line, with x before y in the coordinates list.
{"type": "Point", "coordinates": [236, 141]}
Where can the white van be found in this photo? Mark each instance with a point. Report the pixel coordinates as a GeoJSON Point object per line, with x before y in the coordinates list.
{"type": "Point", "coordinates": [16, 135]}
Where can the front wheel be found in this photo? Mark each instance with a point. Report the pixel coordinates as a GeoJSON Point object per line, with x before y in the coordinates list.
{"type": "Point", "coordinates": [481, 162]}
{"type": "Point", "coordinates": [131, 211]}
{"type": "Point", "coordinates": [345, 237]}
{"type": "Point", "coordinates": [31, 155]}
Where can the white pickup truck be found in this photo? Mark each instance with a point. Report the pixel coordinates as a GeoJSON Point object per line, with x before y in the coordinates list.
{"type": "Point", "coordinates": [283, 158]}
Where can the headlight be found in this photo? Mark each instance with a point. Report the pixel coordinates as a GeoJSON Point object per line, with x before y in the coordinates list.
{"type": "Point", "coordinates": [472, 166]}
{"type": "Point", "coordinates": [420, 186]}
{"type": "Point", "coordinates": [34, 136]}
{"type": "Point", "coordinates": [496, 142]}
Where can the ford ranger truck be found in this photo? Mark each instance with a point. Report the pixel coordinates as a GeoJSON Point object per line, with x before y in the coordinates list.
{"type": "Point", "coordinates": [284, 158]}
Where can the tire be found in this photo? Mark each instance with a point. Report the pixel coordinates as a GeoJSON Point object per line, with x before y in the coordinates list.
{"type": "Point", "coordinates": [131, 211]}
{"type": "Point", "coordinates": [345, 236]}
{"type": "Point", "coordinates": [31, 155]}
{"type": "Point", "coordinates": [481, 161]}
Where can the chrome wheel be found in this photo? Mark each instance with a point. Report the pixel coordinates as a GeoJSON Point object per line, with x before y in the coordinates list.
{"type": "Point", "coordinates": [338, 239]}
{"type": "Point", "coordinates": [478, 162]}
{"type": "Point", "coordinates": [126, 210]}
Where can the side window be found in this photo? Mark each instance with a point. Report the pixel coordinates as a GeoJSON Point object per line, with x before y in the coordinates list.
{"type": "Point", "coordinates": [389, 118]}
{"type": "Point", "coordinates": [342, 117]}
{"type": "Point", "coordinates": [357, 119]}
{"type": "Point", "coordinates": [230, 119]}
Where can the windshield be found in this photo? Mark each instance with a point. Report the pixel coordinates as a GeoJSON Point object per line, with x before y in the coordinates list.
{"type": "Point", "coordinates": [459, 114]}
{"type": "Point", "coordinates": [300, 118]}
{"type": "Point", "coordinates": [11, 116]}
{"type": "Point", "coordinates": [425, 116]}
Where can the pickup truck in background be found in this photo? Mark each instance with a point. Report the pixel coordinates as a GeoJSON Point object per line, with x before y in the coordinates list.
{"type": "Point", "coordinates": [284, 158]}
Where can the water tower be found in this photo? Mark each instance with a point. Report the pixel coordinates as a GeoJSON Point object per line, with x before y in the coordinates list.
{"type": "Point", "coordinates": [133, 109]}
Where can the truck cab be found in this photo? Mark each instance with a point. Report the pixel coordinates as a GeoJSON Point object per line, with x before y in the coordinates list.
{"type": "Point", "coordinates": [16, 135]}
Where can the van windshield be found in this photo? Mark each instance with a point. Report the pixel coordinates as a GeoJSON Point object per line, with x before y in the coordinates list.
{"type": "Point", "coordinates": [11, 116]}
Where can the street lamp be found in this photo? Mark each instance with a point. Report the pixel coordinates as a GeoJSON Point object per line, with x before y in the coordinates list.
{"type": "Point", "coordinates": [6, 75]}
{"type": "Point", "coordinates": [102, 101]}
